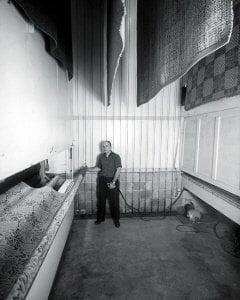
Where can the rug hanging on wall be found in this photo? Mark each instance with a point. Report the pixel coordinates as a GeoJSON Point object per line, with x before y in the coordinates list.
{"type": "Point", "coordinates": [53, 19]}
{"type": "Point", "coordinates": [217, 75]}
{"type": "Point", "coordinates": [172, 35]}
{"type": "Point", "coordinates": [116, 12]}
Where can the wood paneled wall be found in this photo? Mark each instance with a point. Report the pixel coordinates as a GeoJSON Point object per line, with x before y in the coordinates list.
{"type": "Point", "coordinates": [146, 137]}
{"type": "Point", "coordinates": [211, 145]}
{"type": "Point", "coordinates": [36, 97]}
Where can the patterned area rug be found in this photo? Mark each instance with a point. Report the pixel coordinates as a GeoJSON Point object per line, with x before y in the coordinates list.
{"type": "Point", "coordinates": [173, 35]}
{"type": "Point", "coordinates": [217, 75]}
{"type": "Point", "coordinates": [25, 215]}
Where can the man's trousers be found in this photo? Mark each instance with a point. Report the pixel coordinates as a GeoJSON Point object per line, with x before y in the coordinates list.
{"type": "Point", "coordinates": [103, 193]}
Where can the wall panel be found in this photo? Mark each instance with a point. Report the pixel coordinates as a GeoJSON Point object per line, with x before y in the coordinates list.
{"type": "Point", "coordinates": [228, 163]}
{"type": "Point", "coordinates": [190, 136]}
{"type": "Point", "coordinates": [206, 146]}
{"type": "Point", "coordinates": [215, 158]}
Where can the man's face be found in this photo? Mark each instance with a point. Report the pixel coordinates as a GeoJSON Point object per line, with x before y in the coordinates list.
{"type": "Point", "coordinates": [106, 148]}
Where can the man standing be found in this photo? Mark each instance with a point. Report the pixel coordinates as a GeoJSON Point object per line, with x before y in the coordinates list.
{"type": "Point", "coordinates": [109, 167]}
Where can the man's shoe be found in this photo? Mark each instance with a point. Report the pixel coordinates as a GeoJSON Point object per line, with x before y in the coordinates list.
{"type": "Point", "coordinates": [98, 222]}
{"type": "Point", "coordinates": [117, 224]}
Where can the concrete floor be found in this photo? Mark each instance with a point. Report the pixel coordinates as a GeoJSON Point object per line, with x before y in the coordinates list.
{"type": "Point", "coordinates": [144, 260]}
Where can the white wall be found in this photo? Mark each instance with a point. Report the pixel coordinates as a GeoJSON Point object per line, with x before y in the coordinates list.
{"type": "Point", "coordinates": [146, 137]}
{"type": "Point", "coordinates": [35, 96]}
{"type": "Point", "coordinates": [211, 143]}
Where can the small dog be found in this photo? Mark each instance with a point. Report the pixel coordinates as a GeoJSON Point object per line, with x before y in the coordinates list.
{"type": "Point", "coordinates": [194, 215]}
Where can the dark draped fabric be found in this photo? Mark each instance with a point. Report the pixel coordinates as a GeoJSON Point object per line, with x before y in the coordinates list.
{"type": "Point", "coordinates": [115, 44]}
{"type": "Point", "coordinates": [172, 35]}
{"type": "Point", "coordinates": [53, 18]}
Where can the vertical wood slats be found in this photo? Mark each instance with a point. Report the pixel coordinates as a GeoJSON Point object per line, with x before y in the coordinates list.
{"type": "Point", "coordinates": [146, 137]}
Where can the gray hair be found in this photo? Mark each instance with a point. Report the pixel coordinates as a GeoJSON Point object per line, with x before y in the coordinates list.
{"type": "Point", "coordinates": [107, 142]}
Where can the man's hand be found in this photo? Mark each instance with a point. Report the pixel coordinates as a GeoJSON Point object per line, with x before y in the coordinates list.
{"type": "Point", "coordinates": [83, 169]}
{"type": "Point", "coordinates": [111, 185]}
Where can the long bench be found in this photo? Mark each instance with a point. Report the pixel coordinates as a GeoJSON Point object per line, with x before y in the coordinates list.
{"type": "Point", "coordinates": [226, 203]}
{"type": "Point", "coordinates": [34, 225]}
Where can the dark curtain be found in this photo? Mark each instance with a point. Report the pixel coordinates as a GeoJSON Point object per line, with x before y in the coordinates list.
{"type": "Point", "coordinates": [53, 19]}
